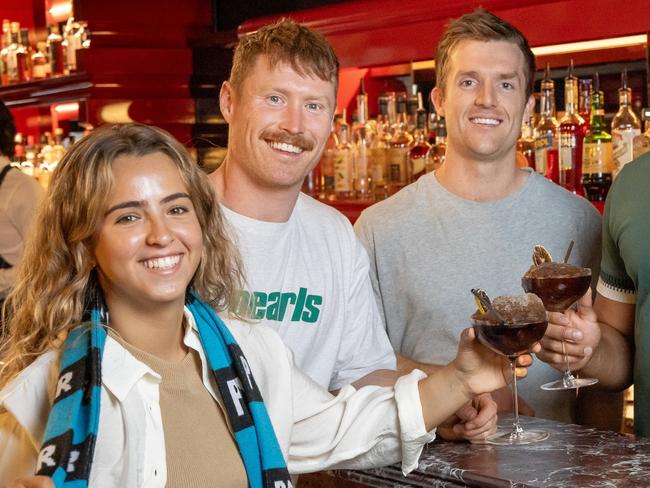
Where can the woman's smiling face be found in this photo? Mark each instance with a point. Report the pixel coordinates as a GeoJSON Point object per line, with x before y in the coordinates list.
{"type": "Point", "coordinates": [149, 241]}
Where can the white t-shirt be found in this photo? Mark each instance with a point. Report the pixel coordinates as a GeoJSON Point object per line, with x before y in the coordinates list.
{"type": "Point", "coordinates": [307, 278]}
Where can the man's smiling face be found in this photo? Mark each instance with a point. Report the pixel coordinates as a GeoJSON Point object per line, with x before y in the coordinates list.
{"type": "Point", "coordinates": [279, 123]}
{"type": "Point", "coordinates": [484, 99]}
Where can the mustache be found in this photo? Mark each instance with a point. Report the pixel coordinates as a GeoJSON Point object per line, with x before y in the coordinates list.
{"type": "Point", "coordinates": [297, 140]}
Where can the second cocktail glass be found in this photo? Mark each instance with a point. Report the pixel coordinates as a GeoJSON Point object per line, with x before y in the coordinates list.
{"type": "Point", "coordinates": [559, 285]}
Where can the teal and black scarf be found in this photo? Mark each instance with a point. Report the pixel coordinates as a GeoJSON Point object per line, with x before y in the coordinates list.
{"type": "Point", "coordinates": [69, 442]}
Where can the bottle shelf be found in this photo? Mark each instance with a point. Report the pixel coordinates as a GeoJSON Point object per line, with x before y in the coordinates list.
{"type": "Point", "coordinates": [47, 91]}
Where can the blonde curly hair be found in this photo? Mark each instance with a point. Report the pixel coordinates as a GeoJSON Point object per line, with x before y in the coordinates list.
{"type": "Point", "coordinates": [56, 278]}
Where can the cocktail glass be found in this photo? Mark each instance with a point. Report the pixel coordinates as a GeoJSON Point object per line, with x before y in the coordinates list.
{"type": "Point", "coordinates": [559, 285]}
{"type": "Point", "coordinates": [511, 337]}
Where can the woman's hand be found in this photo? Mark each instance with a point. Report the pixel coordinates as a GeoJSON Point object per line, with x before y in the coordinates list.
{"type": "Point", "coordinates": [478, 368]}
{"type": "Point", "coordinates": [31, 482]}
{"type": "Point", "coordinates": [581, 334]}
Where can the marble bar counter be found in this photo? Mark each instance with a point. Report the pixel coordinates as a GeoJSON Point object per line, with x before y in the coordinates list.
{"type": "Point", "coordinates": [572, 456]}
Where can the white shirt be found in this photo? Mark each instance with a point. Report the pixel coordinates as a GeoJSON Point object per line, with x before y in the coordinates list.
{"type": "Point", "coordinates": [308, 279]}
{"type": "Point", "coordinates": [356, 429]}
{"type": "Point", "coordinates": [20, 196]}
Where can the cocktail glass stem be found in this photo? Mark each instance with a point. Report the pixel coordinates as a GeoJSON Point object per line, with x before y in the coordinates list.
{"type": "Point", "coordinates": [516, 428]}
{"type": "Point", "coordinates": [568, 380]}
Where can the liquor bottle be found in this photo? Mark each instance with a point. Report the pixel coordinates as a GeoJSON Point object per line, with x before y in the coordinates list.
{"type": "Point", "coordinates": [71, 43]}
{"type": "Point", "coordinates": [19, 148]}
{"type": "Point", "coordinates": [58, 150]}
{"type": "Point", "coordinates": [55, 50]}
{"type": "Point", "coordinates": [641, 143]}
{"type": "Point", "coordinates": [597, 157]}
{"type": "Point", "coordinates": [40, 64]}
{"type": "Point", "coordinates": [20, 156]}
{"type": "Point", "coordinates": [4, 52]}
{"type": "Point", "coordinates": [379, 151]}
{"type": "Point", "coordinates": [45, 159]}
{"type": "Point", "coordinates": [344, 163]}
{"type": "Point", "coordinates": [326, 164]}
{"type": "Point", "coordinates": [392, 112]}
{"type": "Point", "coordinates": [547, 127]}
{"type": "Point", "coordinates": [433, 125]}
{"type": "Point", "coordinates": [584, 101]}
{"type": "Point", "coordinates": [12, 51]}
{"type": "Point", "coordinates": [572, 133]}
{"type": "Point", "coordinates": [412, 105]}
{"type": "Point", "coordinates": [398, 153]}
{"type": "Point", "coordinates": [439, 150]}
{"type": "Point", "coordinates": [420, 152]}
{"type": "Point", "coordinates": [625, 126]}
{"type": "Point", "coordinates": [526, 144]}
{"type": "Point", "coordinates": [362, 138]}
{"type": "Point", "coordinates": [24, 57]}
{"type": "Point", "coordinates": [30, 156]}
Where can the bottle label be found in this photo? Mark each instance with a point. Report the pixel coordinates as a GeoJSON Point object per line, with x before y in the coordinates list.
{"type": "Point", "coordinates": [543, 143]}
{"type": "Point", "coordinates": [623, 146]}
{"type": "Point", "coordinates": [397, 164]}
{"type": "Point", "coordinates": [39, 71]}
{"type": "Point", "coordinates": [377, 165]}
{"type": "Point", "coordinates": [343, 172]}
{"type": "Point", "coordinates": [417, 166]}
{"type": "Point", "coordinates": [597, 157]}
{"type": "Point", "coordinates": [568, 145]}
{"type": "Point", "coordinates": [394, 173]}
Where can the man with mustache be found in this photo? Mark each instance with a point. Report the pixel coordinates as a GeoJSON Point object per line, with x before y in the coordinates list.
{"type": "Point", "coordinates": [475, 221]}
{"type": "Point", "coordinates": [307, 273]}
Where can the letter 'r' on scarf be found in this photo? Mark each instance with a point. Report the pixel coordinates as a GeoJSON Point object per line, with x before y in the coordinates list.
{"type": "Point", "coordinates": [67, 451]}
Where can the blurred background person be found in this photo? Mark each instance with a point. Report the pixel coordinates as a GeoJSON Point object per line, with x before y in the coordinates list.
{"type": "Point", "coordinates": [19, 198]}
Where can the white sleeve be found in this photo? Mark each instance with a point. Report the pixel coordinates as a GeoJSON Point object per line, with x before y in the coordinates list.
{"type": "Point", "coordinates": [357, 429]}
{"type": "Point", "coordinates": [365, 346]}
{"type": "Point", "coordinates": [18, 454]}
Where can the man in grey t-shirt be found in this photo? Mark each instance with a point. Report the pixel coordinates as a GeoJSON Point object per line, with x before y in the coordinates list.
{"type": "Point", "coordinates": [474, 222]}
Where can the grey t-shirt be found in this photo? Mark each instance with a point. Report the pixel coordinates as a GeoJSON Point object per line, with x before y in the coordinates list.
{"type": "Point", "coordinates": [428, 248]}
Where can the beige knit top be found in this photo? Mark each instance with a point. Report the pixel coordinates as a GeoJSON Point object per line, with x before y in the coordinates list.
{"type": "Point", "coordinates": [200, 448]}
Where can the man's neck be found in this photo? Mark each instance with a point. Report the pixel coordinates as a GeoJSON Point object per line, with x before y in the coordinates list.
{"type": "Point", "coordinates": [480, 181]}
{"type": "Point", "coordinates": [241, 195]}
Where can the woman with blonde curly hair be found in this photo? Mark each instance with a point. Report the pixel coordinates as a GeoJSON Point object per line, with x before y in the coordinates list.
{"type": "Point", "coordinates": [116, 370]}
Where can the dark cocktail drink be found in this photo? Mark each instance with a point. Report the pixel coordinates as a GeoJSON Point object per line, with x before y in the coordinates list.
{"type": "Point", "coordinates": [559, 285]}
{"type": "Point", "coordinates": [511, 328]}
{"type": "Point", "coordinates": [509, 339]}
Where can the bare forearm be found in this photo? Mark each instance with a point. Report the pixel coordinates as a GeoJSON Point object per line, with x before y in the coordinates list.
{"type": "Point", "coordinates": [406, 365]}
{"type": "Point", "coordinates": [612, 360]}
{"type": "Point", "coordinates": [449, 393]}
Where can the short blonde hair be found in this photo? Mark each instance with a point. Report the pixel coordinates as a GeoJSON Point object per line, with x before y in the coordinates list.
{"type": "Point", "coordinates": [285, 41]}
{"type": "Point", "coordinates": [56, 276]}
